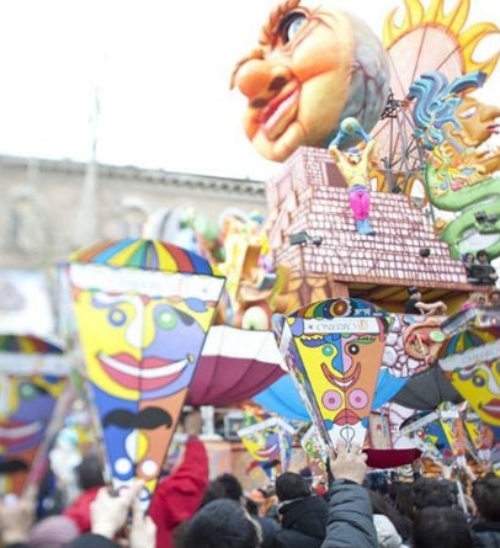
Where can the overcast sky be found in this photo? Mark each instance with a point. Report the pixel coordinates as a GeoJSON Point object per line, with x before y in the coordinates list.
{"type": "Point", "coordinates": [163, 69]}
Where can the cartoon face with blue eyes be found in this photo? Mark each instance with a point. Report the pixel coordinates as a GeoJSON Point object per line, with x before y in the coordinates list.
{"type": "Point", "coordinates": [141, 353]}
{"type": "Point", "coordinates": [26, 407]}
{"type": "Point", "coordinates": [264, 444]}
{"type": "Point", "coordinates": [142, 347]}
{"type": "Point", "coordinates": [269, 442]}
{"type": "Point", "coordinates": [479, 384]}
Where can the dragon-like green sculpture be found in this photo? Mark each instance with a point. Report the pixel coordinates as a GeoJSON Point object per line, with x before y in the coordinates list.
{"type": "Point", "coordinates": [459, 177]}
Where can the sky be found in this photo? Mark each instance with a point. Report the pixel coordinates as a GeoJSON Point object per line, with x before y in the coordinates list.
{"type": "Point", "coordinates": [162, 69]}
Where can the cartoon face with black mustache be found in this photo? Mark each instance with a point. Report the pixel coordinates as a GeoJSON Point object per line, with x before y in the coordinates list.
{"type": "Point", "coordinates": [26, 407]}
{"type": "Point", "coordinates": [141, 354]}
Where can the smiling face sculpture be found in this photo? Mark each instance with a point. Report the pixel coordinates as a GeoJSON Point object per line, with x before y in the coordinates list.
{"type": "Point", "coordinates": [312, 67]}
{"type": "Point", "coordinates": [141, 351]}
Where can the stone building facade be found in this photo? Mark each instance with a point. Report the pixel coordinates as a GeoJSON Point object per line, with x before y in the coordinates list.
{"type": "Point", "coordinates": [50, 208]}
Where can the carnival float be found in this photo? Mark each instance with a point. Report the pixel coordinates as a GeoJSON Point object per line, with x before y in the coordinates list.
{"type": "Point", "coordinates": [295, 316]}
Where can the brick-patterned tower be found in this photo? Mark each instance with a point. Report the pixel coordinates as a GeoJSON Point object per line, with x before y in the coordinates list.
{"type": "Point", "coordinates": [310, 195]}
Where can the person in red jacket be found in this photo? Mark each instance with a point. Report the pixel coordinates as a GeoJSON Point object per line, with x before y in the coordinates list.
{"type": "Point", "coordinates": [178, 496]}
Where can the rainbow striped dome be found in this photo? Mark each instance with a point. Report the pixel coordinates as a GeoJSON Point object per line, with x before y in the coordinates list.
{"type": "Point", "coordinates": [145, 255]}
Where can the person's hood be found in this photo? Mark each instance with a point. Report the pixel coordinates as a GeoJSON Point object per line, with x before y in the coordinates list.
{"type": "Point", "coordinates": [308, 515]}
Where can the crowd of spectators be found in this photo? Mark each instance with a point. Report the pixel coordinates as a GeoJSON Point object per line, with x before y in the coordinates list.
{"type": "Point", "coordinates": [191, 511]}
{"type": "Point", "coordinates": [479, 269]}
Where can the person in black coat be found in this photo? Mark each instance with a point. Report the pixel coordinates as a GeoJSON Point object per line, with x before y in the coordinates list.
{"type": "Point", "coordinates": [441, 526]}
{"type": "Point", "coordinates": [486, 495]}
{"type": "Point", "coordinates": [303, 515]}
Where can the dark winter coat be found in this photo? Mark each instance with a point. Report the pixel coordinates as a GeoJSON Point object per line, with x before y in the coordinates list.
{"type": "Point", "coordinates": [486, 534]}
{"type": "Point", "coordinates": [350, 517]}
{"type": "Point", "coordinates": [89, 540]}
{"type": "Point", "coordinates": [303, 523]}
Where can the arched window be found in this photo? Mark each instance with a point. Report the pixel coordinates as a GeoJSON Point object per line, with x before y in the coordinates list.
{"type": "Point", "coordinates": [26, 228]}
{"type": "Point", "coordinates": [134, 213]}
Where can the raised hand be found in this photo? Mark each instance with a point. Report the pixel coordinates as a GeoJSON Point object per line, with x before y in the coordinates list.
{"type": "Point", "coordinates": [349, 464]}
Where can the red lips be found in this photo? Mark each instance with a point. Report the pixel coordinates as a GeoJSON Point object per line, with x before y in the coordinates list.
{"type": "Point", "coordinates": [16, 433]}
{"type": "Point", "coordinates": [346, 381]}
{"type": "Point", "coordinates": [136, 381]}
{"type": "Point", "coordinates": [348, 416]}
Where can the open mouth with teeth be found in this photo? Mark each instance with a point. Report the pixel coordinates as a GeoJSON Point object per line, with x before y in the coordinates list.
{"type": "Point", "coordinates": [345, 382]}
{"type": "Point", "coordinates": [17, 434]}
{"type": "Point", "coordinates": [492, 408]}
{"type": "Point", "coordinates": [147, 374]}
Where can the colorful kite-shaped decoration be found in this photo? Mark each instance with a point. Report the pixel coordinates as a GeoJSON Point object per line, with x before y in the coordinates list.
{"type": "Point", "coordinates": [313, 444]}
{"type": "Point", "coordinates": [439, 434]}
{"type": "Point", "coordinates": [335, 349]}
{"type": "Point", "coordinates": [143, 309]}
{"type": "Point", "coordinates": [27, 405]}
{"type": "Point", "coordinates": [269, 441]}
{"type": "Point", "coordinates": [426, 432]}
{"type": "Point", "coordinates": [452, 423]}
{"type": "Point", "coordinates": [479, 437]}
{"type": "Point", "coordinates": [29, 344]}
{"type": "Point", "coordinates": [471, 318]}
{"type": "Point", "coordinates": [471, 361]}
{"type": "Point", "coordinates": [28, 354]}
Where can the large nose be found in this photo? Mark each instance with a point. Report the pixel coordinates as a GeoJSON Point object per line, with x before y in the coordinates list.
{"type": "Point", "coordinates": [490, 112]}
{"type": "Point", "coordinates": [258, 80]}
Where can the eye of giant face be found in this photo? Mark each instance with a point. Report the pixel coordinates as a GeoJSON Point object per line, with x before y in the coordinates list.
{"type": "Point", "coordinates": [469, 112]}
{"type": "Point", "coordinates": [290, 24]}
